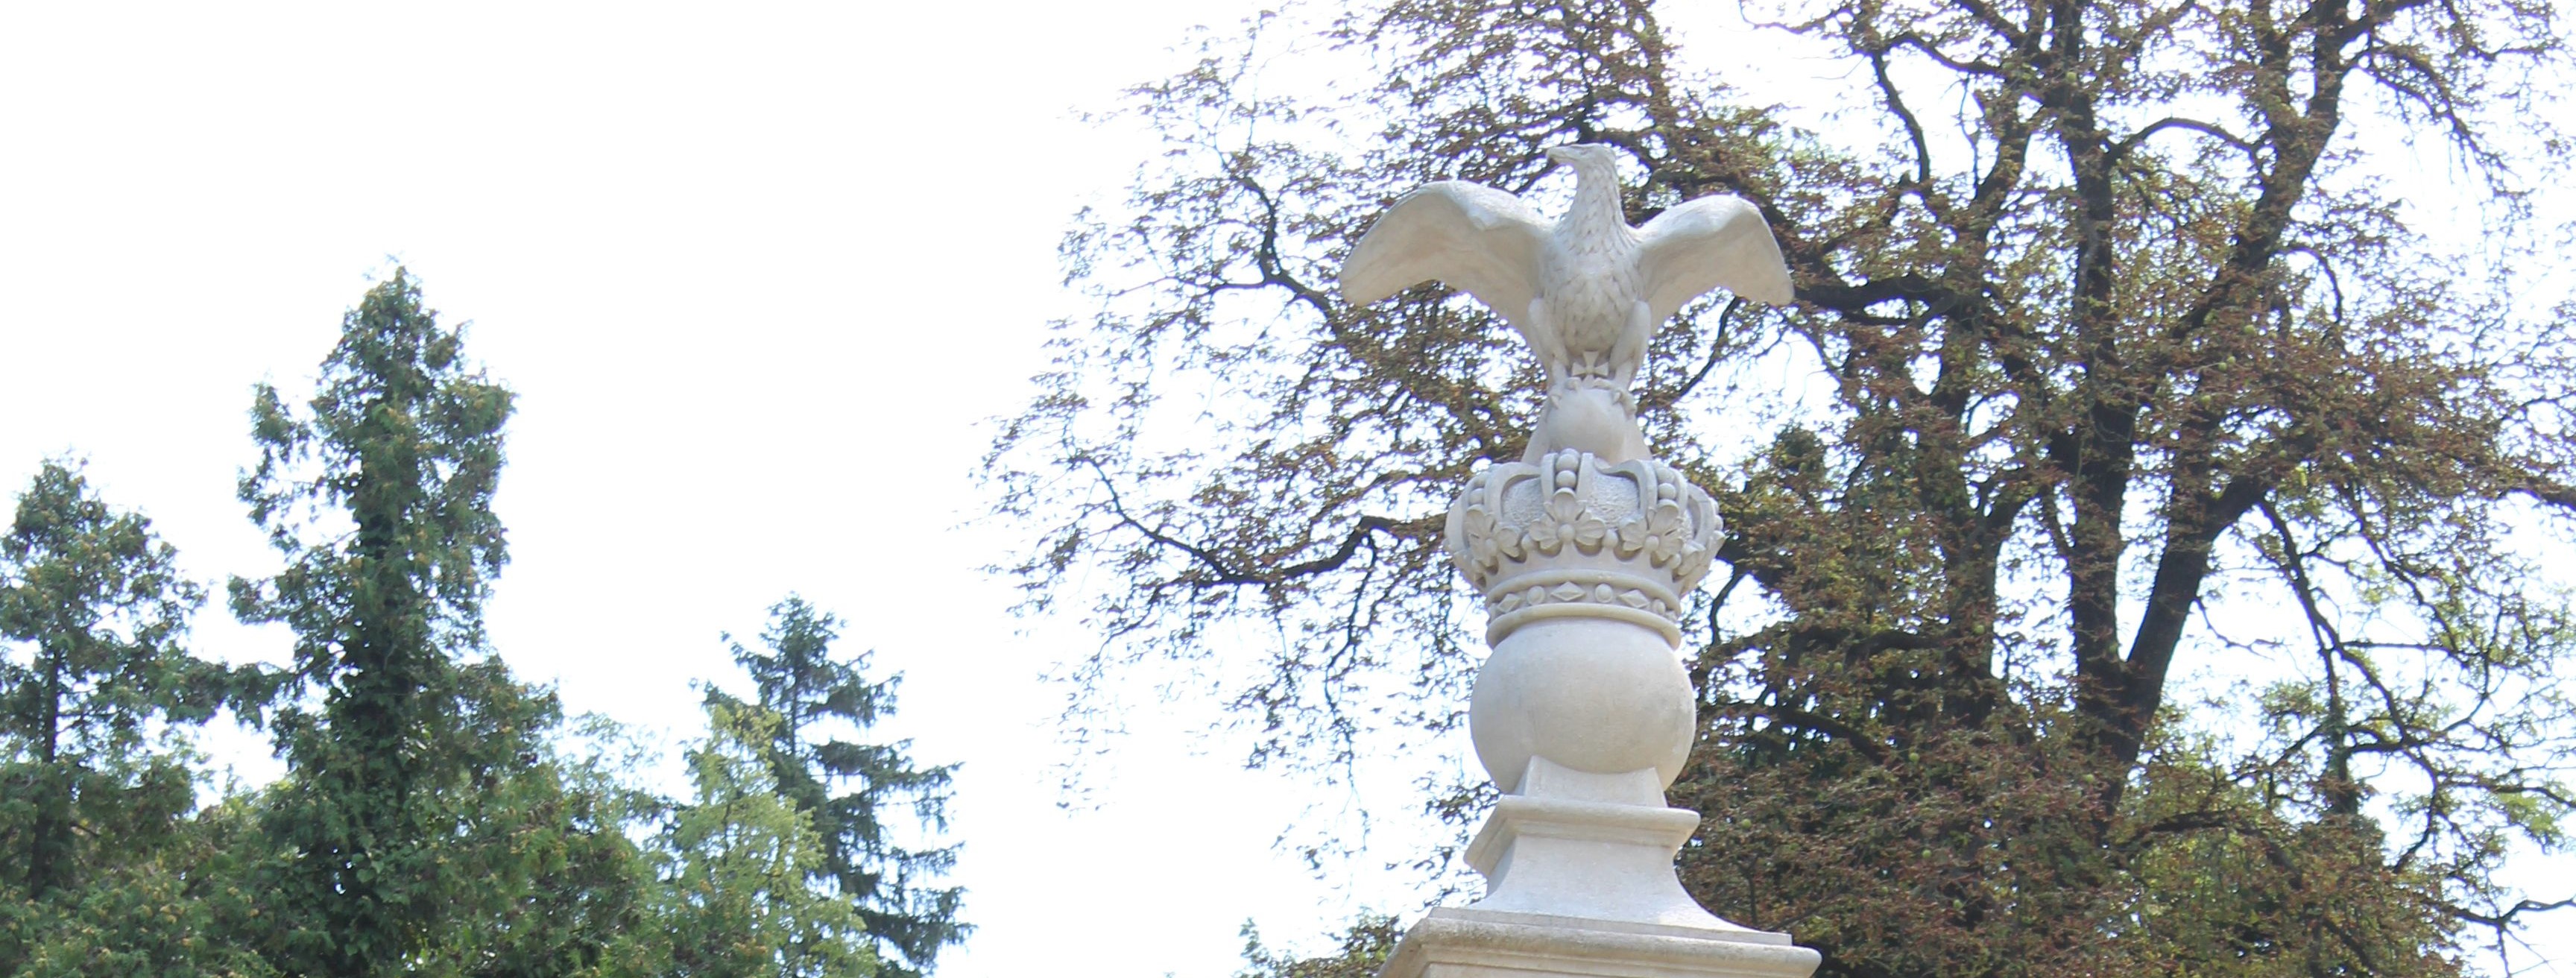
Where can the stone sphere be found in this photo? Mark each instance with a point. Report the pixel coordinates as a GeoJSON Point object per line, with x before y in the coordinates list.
{"type": "Point", "coordinates": [1592, 694]}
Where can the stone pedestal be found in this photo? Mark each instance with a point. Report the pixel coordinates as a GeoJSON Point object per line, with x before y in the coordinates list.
{"type": "Point", "coordinates": [1465, 943]}
{"type": "Point", "coordinates": [1583, 716]}
{"type": "Point", "coordinates": [1588, 860]}
{"type": "Point", "coordinates": [1583, 888]}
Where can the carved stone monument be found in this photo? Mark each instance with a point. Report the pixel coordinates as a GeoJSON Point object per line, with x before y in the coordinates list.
{"type": "Point", "coordinates": [1584, 550]}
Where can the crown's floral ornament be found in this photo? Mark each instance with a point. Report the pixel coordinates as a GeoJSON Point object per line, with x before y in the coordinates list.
{"type": "Point", "coordinates": [1573, 535]}
{"type": "Point", "coordinates": [1587, 522]}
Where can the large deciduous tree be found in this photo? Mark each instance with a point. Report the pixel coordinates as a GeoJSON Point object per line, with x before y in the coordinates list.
{"type": "Point", "coordinates": [2115, 349]}
{"type": "Point", "coordinates": [852, 791]}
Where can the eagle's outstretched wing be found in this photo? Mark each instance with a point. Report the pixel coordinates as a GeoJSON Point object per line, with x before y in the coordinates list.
{"type": "Point", "coordinates": [1477, 239]}
{"type": "Point", "coordinates": [1708, 243]}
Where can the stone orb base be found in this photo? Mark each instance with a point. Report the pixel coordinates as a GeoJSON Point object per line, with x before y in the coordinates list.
{"type": "Point", "coordinates": [1595, 695]}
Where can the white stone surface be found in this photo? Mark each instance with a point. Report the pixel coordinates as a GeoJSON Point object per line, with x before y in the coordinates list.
{"type": "Point", "coordinates": [1593, 695]}
{"type": "Point", "coordinates": [1463, 944]}
{"type": "Point", "coordinates": [1572, 534]}
{"type": "Point", "coordinates": [1544, 778]}
{"type": "Point", "coordinates": [1593, 861]}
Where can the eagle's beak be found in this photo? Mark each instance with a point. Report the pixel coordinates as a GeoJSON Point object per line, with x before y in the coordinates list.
{"type": "Point", "coordinates": [1561, 154]}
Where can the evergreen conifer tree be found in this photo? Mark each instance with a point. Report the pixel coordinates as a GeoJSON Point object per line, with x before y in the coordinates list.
{"type": "Point", "coordinates": [418, 818]}
{"type": "Point", "coordinates": [102, 867]}
{"type": "Point", "coordinates": [97, 599]}
{"type": "Point", "coordinates": [737, 895]}
{"type": "Point", "coordinates": [811, 692]}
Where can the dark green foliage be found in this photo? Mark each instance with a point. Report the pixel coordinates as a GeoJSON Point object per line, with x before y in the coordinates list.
{"type": "Point", "coordinates": [540, 875]}
{"type": "Point", "coordinates": [812, 693]}
{"type": "Point", "coordinates": [104, 870]}
{"type": "Point", "coordinates": [417, 821]}
{"type": "Point", "coordinates": [96, 599]}
{"type": "Point", "coordinates": [181, 903]}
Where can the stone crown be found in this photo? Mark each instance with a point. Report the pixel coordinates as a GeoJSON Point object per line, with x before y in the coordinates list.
{"type": "Point", "coordinates": [1571, 535]}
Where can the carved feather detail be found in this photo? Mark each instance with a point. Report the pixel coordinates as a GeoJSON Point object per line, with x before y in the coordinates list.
{"type": "Point", "coordinates": [1587, 292]}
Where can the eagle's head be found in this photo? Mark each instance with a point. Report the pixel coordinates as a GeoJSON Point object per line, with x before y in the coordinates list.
{"type": "Point", "coordinates": [1587, 159]}
{"type": "Point", "coordinates": [1596, 189]}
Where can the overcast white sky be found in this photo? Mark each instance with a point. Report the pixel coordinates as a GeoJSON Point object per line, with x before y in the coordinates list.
{"type": "Point", "coordinates": [758, 272]}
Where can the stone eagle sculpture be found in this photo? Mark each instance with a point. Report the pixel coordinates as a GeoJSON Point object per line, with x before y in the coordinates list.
{"type": "Point", "coordinates": [1587, 292]}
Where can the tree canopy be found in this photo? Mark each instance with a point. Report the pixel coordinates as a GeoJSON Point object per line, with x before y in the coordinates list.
{"type": "Point", "coordinates": [2115, 349]}
{"type": "Point", "coordinates": [402, 443]}
{"type": "Point", "coordinates": [94, 593]}
{"type": "Point", "coordinates": [735, 861]}
{"type": "Point", "coordinates": [436, 815]}
{"type": "Point", "coordinates": [851, 792]}
{"type": "Point", "coordinates": [106, 872]}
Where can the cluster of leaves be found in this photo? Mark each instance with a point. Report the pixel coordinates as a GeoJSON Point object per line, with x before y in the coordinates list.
{"type": "Point", "coordinates": [431, 820]}
{"type": "Point", "coordinates": [2123, 355]}
{"type": "Point", "coordinates": [1363, 946]}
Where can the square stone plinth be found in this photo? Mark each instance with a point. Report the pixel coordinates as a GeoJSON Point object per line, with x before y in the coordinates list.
{"type": "Point", "coordinates": [1465, 943]}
